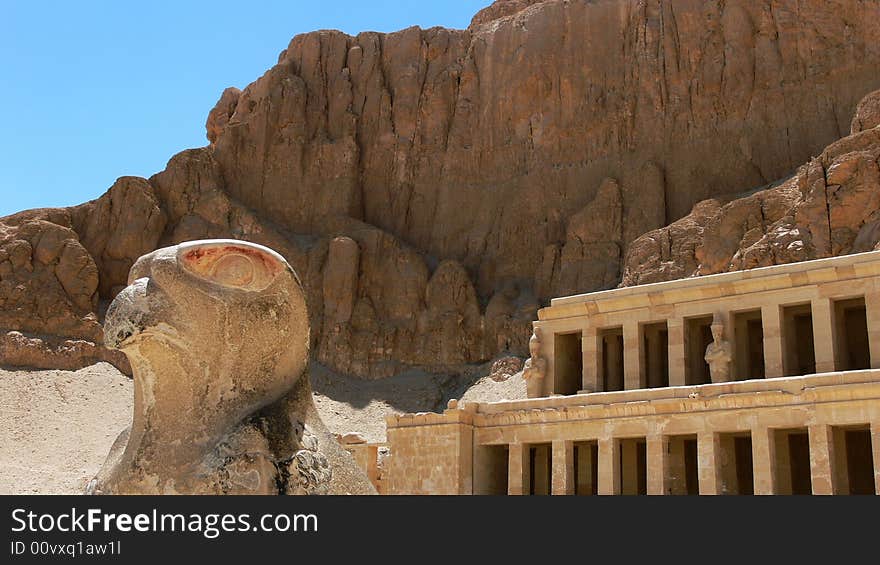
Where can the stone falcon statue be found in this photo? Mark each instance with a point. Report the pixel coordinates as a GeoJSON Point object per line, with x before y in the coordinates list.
{"type": "Point", "coordinates": [217, 333]}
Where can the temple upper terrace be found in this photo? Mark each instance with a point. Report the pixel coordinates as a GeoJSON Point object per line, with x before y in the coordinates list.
{"type": "Point", "coordinates": [796, 319]}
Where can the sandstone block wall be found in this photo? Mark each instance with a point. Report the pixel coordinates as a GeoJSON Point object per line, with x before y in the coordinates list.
{"type": "Point", "coordinates": [429, 454]}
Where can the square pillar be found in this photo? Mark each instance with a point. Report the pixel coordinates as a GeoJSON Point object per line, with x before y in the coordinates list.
{"type": "Point", "coordinates": [822, 459]}
{"type": "Point", "coordinates": [563, 467]}
{"type": "Point", "coordinates": [771, 321]}
{"type": "Point", "coordinates": [875, 448]}
{"type": "Point", "coordinates": [677, 354]}
{"type": "Point", "coordinates": [609, 466]}
{"type": "Point", "coordinates": [632, 357]}
{"type": "Point", "coordinates": [518, 469]}
{"type": "Point", "coordinates": [591, 359]}
{"type": "Point", "coordinates": [548, 349]}
{"type": "Point", "coordinates": [872, 311]}
{"type": "Point", "coordinates": [658, 463]}
{"type": "Point", "coordinates": [824, 338]}
{"type": "Point", "coordinates": [763, 460]}
{"type": "Point", "coordinates": [709, 461]}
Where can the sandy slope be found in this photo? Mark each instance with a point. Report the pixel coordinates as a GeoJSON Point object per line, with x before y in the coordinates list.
{"type": "Point", "coordinates": [56, 427]}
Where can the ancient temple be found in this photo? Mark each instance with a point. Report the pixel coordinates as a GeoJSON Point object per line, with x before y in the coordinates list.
{"type": "Point", "coordinates": [764, 381]}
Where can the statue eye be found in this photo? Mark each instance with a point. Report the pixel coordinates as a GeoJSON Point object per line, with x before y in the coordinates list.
{"type": "Point", "coordinates": [231, 263]}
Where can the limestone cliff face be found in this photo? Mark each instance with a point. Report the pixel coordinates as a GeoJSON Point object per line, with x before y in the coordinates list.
{"type": "Point", "coordinates": [830, 206]}
{"type": "Point", "coordinates": [433, 187]}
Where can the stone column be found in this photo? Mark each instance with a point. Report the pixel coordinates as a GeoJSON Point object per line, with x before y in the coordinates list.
{"type": "Point", "coordinates": [632, 357]}
{"type": "Point", "coordinates": [677, 354]}
{"type": "Point", "coordinates": [872, 311]}
{"type": "Point", "coordinates": [875, 447]}
{"type": "Point", "coordinates": [518, 469]}
{"type": "Point", "coordinates": [822, 459]}
{"type": "Point", "coordinates": [676, 481]}
{"type": "Point", "coordinates": [563, 467]}
{"type": "Point", "coordinates": [592, 358]}
{"type": "Point", "coordinates": [709, 461]}
{"type": "Point", "coordinates": [609, 466]}
{"type": "Point", "coordinates": [824, 338]}
{"type": "Point", "coordinates": [763, 459]}
{"type": "Point", "coordinates": [771, 322]}
{"type": "Point", "coordinates": [657, 447]}
{"type": "Point", "coordinates": [548, 349]}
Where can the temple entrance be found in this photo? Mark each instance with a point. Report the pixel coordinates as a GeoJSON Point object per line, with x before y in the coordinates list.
{"type": "Point", "coordinates": [683, 470]}
{"type": "Point", "coordinates": [748, 334]}
{"type": "Point", "coordinates": [792, 461]}
{"type": "Point", "coordinates": [797, 327]}
{"type": "Point", "coordinates": [698, 336]}
{"type": "Point", "coordinates": [586, 468]}
{"type": "Point", "coordinates": [491, 469]}
{"type": "Point", "coordinates": [611, 345]}
{"type": "Point", "coordinates": [851, 321]}
{"type": "Point", "coordinates": [655, 355]}
{"type": "Point", "coordinates": [633, 455]}
{"type": "Point", "coordinates": [540, 468]}
{"type": "Point", "coordinates": [854, 460]}
{"type": "Point", "coordinates": [569, 363]}
{"type": "Point", "coordinates": [737, 474]}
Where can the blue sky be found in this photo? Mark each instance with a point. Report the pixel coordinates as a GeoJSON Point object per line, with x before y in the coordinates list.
{"type": "Point", "coordinates": [92, 91]}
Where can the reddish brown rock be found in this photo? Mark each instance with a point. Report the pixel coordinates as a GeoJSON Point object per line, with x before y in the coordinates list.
{"type": "Point", "coordinates": [219, 116]}
{"type": "Point", "coordinates": [47, 279]}
{"type": "Point", "coordinates": [340, 280]}
{"type": "Point", "coordinates": [501, 9]}
{"type": "Point", "coordinates": [830, 206]}
{"type": "Point", "coordinates": [867, 113]}
{"type": "Point", "coordinates": [482, 171]}
{"type": "Point", "coordinates": [119, 227]}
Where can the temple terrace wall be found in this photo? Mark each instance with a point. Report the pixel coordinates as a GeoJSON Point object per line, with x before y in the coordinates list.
{"type": "Point", "coordinates": [818, 434]}
{"type": "Point", "coordinates": [627, 403]}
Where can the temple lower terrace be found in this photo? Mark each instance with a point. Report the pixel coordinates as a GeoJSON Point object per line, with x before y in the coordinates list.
{"type": "Point", "coordinates": [764, 381]}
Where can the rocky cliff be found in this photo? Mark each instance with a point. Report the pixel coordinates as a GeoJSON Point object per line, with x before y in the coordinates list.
{"type": "Point", "coordinates": [830, 206]}
{"type": "Point", "coordinates": [434, 187]}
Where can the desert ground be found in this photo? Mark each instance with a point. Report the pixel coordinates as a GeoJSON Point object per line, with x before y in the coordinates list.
{"type": "Point", "coordinates": [56, 427]}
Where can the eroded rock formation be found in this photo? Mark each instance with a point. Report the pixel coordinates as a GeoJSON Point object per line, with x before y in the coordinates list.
{"type": "Point", "coordinates": [830, 206]}
{"type": "Point", "coordinates": [434, 187]}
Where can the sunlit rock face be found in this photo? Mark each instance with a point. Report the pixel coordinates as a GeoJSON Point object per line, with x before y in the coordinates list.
{"type": "Point", "coordinates": [434, 187]}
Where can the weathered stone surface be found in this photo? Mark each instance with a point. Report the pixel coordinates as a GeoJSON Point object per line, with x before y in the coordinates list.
{"type": "Point", "coordinates": [118, 228]}
{"type": "Point", "coordinates": [352, 438]}
{"type": "Point", "coordinates": [867, 113]}
{"type": "Point", "coordinates": [504, 368]}
{"type": "Point", "coordinates": [524, 154]}
{"type": "Point", "coordinates": [223, 110]}
{"type": "Point", "coordinates": [47, 278]}
{"type": "Point", "coordinates": [340, 280]}
{"type": "Point", "coordinates": [19, 350]}
{"type": "Point", "coordinates": [500, 9]}
{"type": "Point", "coordinates": [830, 206]}
{"type": "Point", "coordinates": [217, 333]}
